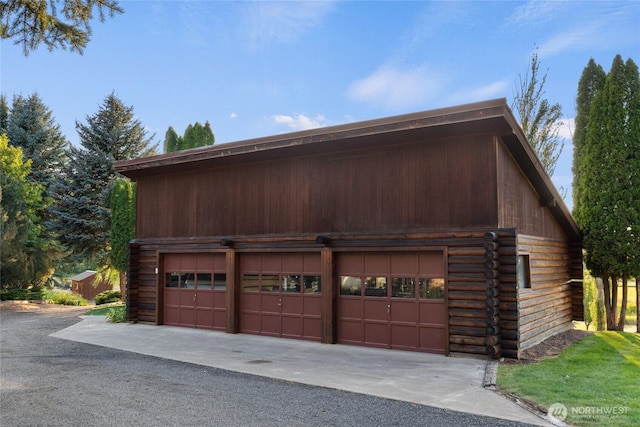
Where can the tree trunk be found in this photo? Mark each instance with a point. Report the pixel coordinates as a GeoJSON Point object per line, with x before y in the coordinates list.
{"type": "Point", "coordinates": [623, 306]}
{"type": "Point", "coordinates": [600, 315]}
{"type": "Point", "coordinates": [638, 304]}
{"type": "Point", "coordinates": [610, 301]}
{"type": "Point", "coordinates": [123, 285]}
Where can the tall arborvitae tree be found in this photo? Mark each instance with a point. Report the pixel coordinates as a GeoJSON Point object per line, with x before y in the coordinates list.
{"type": "Point", "coordinates": [123, 226]}
{"type": "Point", "coordinates": [591, 82]}
{"type": "Point", "coordinates": [172, 141]}
{"type": "Point", "coordinates": [82, 212]}
{"type": "Point", "coordinates": [23, 251]}
{"type": "Point", "coordinates": [540, 120]}
{"type": "Point", "coordinates": [195, 135]}
{"type": "Point", "coordinates": [609, 206]}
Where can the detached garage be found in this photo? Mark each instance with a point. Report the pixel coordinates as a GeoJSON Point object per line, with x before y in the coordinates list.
{"type": "Point", "coordinates": [436, 231]}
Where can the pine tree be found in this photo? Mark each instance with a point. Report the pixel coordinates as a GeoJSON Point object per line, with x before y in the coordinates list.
{"type": "Point", "coordinates": [609, 206]}
{"type": "Point", "coordinates": [82, 212]}
{"type": "Point", "coordinates": [4, 114]}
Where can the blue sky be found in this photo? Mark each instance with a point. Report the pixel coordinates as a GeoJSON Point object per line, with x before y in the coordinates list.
{"type": "Point", "coordinates": [261, 68]}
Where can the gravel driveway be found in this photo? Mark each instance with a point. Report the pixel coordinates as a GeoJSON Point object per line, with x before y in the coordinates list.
{"type": "Point", "coordinates": [50, 381]}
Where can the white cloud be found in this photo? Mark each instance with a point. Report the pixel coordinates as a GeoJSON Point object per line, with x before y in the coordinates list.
{"type": "Point", "coordinates": [535, 12]}
{"type": "Point", "coordinates": [567, 128]}
{"type": "Point", "coordinates": [300, 121]}
{"type": "Point", "coordinates": [283, 21]}
{"type": "Point", "coordinates": [233, 115]}
{"type": "Point", "coordinates": [492, 90]}
{"type": "Point", "coordinates": [396, 88]}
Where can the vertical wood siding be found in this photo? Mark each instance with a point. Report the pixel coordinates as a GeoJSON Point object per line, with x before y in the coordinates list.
{"type": "Point", "coordinates": [441, 184]}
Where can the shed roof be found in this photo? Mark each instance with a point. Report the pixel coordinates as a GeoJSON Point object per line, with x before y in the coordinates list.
{"type": "Point", "coordinates": [84, 275]}
{"type": "Point", "coordinates": [493, 116]}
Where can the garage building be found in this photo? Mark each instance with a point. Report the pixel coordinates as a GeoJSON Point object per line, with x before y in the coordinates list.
{"type": "Point", "coordinates": [437, 231]}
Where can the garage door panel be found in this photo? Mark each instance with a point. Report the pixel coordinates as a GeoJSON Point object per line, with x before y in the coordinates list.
{"type": "Point", "coordinates": [270, 324]}
{"type": "Point", "coordinates": [433, 312]}
{"type": "Point", "coordinates": [431, 263]}
{"type": "Point", "coordinates": [402, 263]}
{"type": "Point", "coordinates": [376, 309]}
{"type": "Point", "coordinates": [291, 305]}
{"type": "Point", "coordinates": [376, 333]}
{"type": "Point", "coordinates": [204, 318]}
{"type": "Point", "coordinates": [351, 308]}
{"type": "Point", "coordinates": [219, 319]}
{"type": "Point", "coordinates": [404, 336]}
{"type": "Point", "coordinates": [187, 316]}
{"type": "Point", "coordinates": [312, 305]}
{"type": "Point", "coordinates": [171, 315]}
{"type": "Point", "coordinates": [312, 327]}
{"type": "Point", "coordinates": [376, 264]}
{"type": "Point", "coordinates": [187, 299]}
{"type": "Point", "coordinates": [433, 339]}
{"type": "Point", "coordinates": [350, 331]}
{"type": "Point", "coordinates": [291, 326]}
{"type": "Point", "coordinates": [404, 311]}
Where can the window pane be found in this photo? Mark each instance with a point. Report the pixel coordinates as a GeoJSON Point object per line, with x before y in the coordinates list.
{"type": "Point", "coordinates": [250, 283]}
{"type": "Point", "coordinates": [171, 280]}
{"type": "Point", "coordinates": [375, 286]}
{"type": "Point", "coordinates": [290, 283]}
{"type": "Point", "coordinates": [350, 285]}
{"type": "Point", "coordinates": [523, 272]}
{"type": "Point", "coordinates": [431, 288]}
{"type": "Point", "coordinates": [188, 281]}
{"type": "Point", "coordinates": [312, 285]}
{"type": "Point", "coordinates": [403, 287]}
{"type": "Point", "coordinates": [203, 281]}
{"type": "Point", "coordinates": [219, 281]}
{"type": "Point", "coordinates": [270, 283]}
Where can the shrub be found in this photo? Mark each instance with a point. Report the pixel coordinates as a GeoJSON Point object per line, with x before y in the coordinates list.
{"type": "Point", "coordinates": [117, 314]}
{"type": "Point", "coordinates": [107, 297]}
{"type": "Point", "coordinates": [20, 294]}
{"type": "Point", "coordinates": [64, 298]}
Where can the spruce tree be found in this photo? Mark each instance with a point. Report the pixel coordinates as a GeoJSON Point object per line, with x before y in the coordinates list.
{"type": "Point", "coordinates": [82, 211]}
{"type": "Point", "coordinates": [4, 114]}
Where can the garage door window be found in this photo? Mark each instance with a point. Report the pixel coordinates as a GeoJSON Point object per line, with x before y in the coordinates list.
{"type": "Point", "coordinates": [431, 288]}
{"type": "Point", "coordinates": [403, 287]}
{"type": "Point", "coordinates": [375, 286]}
{"type": "Point", "coordinates": [350, 285]}
{"type": "Point", "coordinates": [287, 283]}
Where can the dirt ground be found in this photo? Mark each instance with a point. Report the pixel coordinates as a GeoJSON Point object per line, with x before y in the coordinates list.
{"type": "Point", "coordinates": [550, 347]}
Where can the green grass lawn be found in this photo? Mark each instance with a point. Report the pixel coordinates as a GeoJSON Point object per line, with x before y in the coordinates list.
{"type": "Point", "coordinates": [597, 380]}
{"type": "Point", "coordinates": [103, 309]}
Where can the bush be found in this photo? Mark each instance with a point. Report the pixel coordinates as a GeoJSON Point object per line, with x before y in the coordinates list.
{"type": "Point", "coordinates": [21, 294]}
{"type": "Point", "coordinates": [107, 297]}
{"type": "Point", "coordinates": [117, 314]}
{"type": "Point", "coordinates": [64, 298]}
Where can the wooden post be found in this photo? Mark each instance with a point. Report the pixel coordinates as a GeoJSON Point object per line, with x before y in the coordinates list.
{"type": "Point", "coordinates": [329, 305]}
{"type": "Point", "coordinates": [233, 292]}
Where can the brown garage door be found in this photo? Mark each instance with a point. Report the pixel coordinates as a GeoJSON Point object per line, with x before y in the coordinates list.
{"type": "Point", "coordinates": [194, 290]}
{"type": "Point", "coordinates": [281, 295]}
{"type": "Point", "coordinates": [392, 300]}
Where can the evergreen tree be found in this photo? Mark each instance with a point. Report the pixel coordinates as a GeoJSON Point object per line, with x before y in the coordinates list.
{"type": "Point", "coordinates": [609, 207]}
{"type": "Point", "coordinates": [195, 135]}
{"type": "Point", "coordinates": [31, 126]}
{"type": "Point", "coordinates": [56, 23]}
{"type": "Point", "coordinates": [172, 142]}
{"type": "Point", "coordinates": [123, 226]}
{"type": "Point", "coordinates": [591, 82]}
{"type": "Point", "coordinates": [82, 212]}
{"type": "Point", "coordinates": [540, 120]}
{"type": "Point", "coordinates": [4, 114]}
{"type": "Point", "coordinates": [23, 251]}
